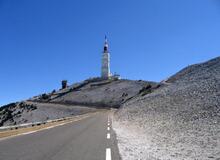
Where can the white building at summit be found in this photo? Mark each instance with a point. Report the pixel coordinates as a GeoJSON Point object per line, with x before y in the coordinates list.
{"type": "Point", "coordinates": [105, 71]}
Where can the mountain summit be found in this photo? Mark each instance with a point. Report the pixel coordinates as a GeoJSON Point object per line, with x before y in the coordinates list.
{"type": "Point", "coordinates": [79, 98]}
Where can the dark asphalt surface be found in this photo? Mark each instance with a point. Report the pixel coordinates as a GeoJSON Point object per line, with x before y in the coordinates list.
{"type": "Point", "coordinates": [81, 140]}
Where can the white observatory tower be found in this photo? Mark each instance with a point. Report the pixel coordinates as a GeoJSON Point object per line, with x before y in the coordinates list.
{"type": "Point", "coordinates": [105, 73]}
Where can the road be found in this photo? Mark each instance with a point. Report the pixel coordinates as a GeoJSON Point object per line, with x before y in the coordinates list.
{"type": "Point", "coordinates": [91, 138]}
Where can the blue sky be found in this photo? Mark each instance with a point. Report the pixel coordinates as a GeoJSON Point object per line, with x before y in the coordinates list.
{"type": "Point", "coordinates": [45, 41]}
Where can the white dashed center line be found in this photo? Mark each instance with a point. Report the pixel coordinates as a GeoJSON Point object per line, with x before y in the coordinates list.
{"type": "Point", "coordinates": [108, 150]}
{"type": "Point", "coordinates": [108, 135]}
{"type": "Point", "coordinates": [108, 154]}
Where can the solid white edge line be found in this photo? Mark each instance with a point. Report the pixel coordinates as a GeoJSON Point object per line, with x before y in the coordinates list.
{"type": "Point", "coordinates": [108, 154]}
{"type": "Point", "coordinates": [26, 133]}
{"type": "Point", "coordinates": [108, 135]}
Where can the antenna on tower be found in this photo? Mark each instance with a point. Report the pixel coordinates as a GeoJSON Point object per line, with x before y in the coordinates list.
{"type": "Point", "coordinates": [106, 39]}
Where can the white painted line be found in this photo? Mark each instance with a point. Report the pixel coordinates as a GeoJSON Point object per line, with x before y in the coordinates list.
{"type": "Point", "coordinates": [108, 135]}
{"type": "Point", "coordinates": [50, 127]}
{"type": "Point", "coordinates": [108, 128]}
{"type": "Point", "coordinates": [28, 133]}
{"type": "Point", "coordinates": [25, 133]}
{"type": "Point", "coordinates": [108, 154]}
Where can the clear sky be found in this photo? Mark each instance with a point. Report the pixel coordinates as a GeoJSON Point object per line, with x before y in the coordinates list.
{"type": "Point", "coordinates": [45, 41]}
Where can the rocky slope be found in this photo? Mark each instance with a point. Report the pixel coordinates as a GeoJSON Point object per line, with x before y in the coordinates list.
{"type": "Point", "coordinates": [104, 94]}
{"type": "Point", "coordinates": [26, 112]}
{"type": "Point", "coordinates": [179, 120]}
{"type": "Point", "coordinates": [78, 98]}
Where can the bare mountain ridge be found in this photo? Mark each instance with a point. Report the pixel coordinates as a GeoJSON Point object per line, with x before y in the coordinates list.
{"type": "Point", "coordinates": [107, 93]}
{"type": "Point", "coordinates": [199, 71]}
{"type": "Point", "coordinates": [96, 92]}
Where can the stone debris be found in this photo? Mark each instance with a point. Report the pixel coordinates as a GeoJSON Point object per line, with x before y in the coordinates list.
{"type": "Point", "coordinates": [179, 120]}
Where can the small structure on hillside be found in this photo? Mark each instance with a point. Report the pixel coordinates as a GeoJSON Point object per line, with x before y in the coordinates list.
{"type": "Point", "coordinates": [116, 76]}
{"type": "Point", "coordinates": [64, 84]}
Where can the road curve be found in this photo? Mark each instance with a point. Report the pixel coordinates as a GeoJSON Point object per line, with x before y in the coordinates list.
{"type": "Point", "coordinates": [91, 138]}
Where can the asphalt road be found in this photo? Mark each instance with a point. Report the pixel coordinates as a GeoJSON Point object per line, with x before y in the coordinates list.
{"type": "Point", "coordinates": [87, 139]}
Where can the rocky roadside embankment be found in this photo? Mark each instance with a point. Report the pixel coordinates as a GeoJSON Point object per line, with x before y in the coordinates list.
{"type": "Point", "coordinates": [180, 120]}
